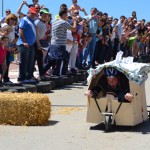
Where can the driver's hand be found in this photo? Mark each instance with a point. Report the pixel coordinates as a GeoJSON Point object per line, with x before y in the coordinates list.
{"type": "Point", "coordinates": [88, 93]}
{"type": "Point", "coordinates": [129, 97]}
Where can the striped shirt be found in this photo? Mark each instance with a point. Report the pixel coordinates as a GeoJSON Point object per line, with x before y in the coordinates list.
{"type": "Point", "coordinates": [41, 28]}
{"type": "Point", "coordinates": [59, 32]}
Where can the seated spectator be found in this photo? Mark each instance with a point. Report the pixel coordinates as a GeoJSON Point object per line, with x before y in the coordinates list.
{"type": "Point", "coordinates": [76, 7]}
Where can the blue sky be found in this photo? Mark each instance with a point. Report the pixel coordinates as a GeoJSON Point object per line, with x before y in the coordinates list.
{"type": "Point", "coordinates": [114, 8]}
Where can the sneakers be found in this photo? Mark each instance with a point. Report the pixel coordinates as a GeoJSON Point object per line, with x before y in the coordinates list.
{"type": "Point", "coordinates": [84, 66]}
{"type": "Point", "coordinates": [8, 82]}
{"type": "Point", "coordinates": [1, 84]}
{"type": "Point", "coordinates": [73, 71]}
{"type": "Point", "coordinates": [30, 81]}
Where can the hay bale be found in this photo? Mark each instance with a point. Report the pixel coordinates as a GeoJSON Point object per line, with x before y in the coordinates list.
{"type": "Point", "coordinates": [24, 109]}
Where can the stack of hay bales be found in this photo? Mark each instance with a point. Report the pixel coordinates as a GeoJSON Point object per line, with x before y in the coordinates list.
{"type": "Point", "coordinates": [24, 109]}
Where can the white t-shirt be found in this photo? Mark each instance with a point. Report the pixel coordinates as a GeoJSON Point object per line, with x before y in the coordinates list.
{"type": "Point", "coordinates": [69, 37]}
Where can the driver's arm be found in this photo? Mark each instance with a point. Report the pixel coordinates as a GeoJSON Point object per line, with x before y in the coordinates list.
{"type": "Point", "coordinates": [96, 90]}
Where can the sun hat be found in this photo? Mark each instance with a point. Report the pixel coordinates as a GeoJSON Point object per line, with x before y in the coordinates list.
{"type": "Point", "coordinates": [45, 11]}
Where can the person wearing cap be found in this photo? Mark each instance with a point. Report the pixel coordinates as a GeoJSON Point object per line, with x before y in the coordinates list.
{"type": "Point", "coordinates": [41, 29]}
{"type": "Point", "coordinates": [112, 82]}
{"type": "Point", "coordinates": [26, 40]}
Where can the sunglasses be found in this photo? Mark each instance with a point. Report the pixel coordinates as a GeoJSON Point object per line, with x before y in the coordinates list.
{"type": "Point", "coordinates": [14, 19]}
{"type": "Point", "coordinates": [76, 13]}
{"type": "Point", "coordinates": [38, 8]}
{"type": "Point", "coordinates": [8, 11]}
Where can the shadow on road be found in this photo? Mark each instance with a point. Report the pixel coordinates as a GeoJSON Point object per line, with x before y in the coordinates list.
{"type": "Point", "coordinates": [52, 123]}
{"type": "Point", "coordinates": [143, 128]}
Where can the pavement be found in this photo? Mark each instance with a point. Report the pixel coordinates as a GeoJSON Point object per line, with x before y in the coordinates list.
{"type": "Point", "coordinates": [68, 130]}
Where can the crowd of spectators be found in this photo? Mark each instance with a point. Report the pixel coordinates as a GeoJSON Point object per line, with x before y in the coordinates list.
{"type": "Point", "coordinates": [69, 42]}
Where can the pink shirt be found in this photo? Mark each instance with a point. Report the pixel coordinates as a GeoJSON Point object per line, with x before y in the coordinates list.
{"type": "Point", "coordinates": [3, 53]}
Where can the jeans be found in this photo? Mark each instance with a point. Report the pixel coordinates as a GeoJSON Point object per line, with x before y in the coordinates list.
{"type": "Point", "coordinates": [57, 64]}
{"type": "Point", "coordinates": [26, 62]}
{"type": "Point", "coordinates": [79, 60]}
{"type": "Point", "coordinates": [38, 56]}
{"type": "Point", "coordinates": [89, 51]}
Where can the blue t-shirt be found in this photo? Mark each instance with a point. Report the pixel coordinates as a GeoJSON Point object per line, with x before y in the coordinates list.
{"type": "Point", "coordinates": [29, 28]}
{"type": "Point", "coordinates": [93, 24]}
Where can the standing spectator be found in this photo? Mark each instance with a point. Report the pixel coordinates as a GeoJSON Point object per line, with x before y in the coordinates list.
{"type": "Point", "coordinates": [93, 26]}
{"type": "Point", "coordinates": [115, 21]}
{"type": "Point", "coordinates": [62, 6]}
{"type": "Point", "coordinates": [3, 43]}
{"type": "Point", "coordinates": [8, 11]}
{"type": "Point", "coordinates": [41, 30]}
{"type": "Point", "coordinates": [27, 38]}
{"type": "Point", "coordinates": [57, 52]}
{"type": "Point", "coordinates": [134, 15]}
{"type": "Point", "coordinates": [120, 30]}
{"type": "Point", "coordinates": [98, 47]}
{"type": "Point", "coordinates": [47, 36]}
{"type": "Point", "coordinates": [76, 38]}
{"type": "Point", "coordinates": [11, 20]}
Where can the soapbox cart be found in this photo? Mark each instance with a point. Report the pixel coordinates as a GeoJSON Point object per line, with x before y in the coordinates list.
{"type": "Point", "coordinates": [107, 110]}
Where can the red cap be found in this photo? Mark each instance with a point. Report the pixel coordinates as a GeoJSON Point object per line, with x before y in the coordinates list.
{"type": "Point", "coordinates": [33, 10]}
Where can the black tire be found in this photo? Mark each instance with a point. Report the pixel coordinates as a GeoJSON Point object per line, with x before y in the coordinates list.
{"type": "Point", "coordinates": [58, 80]}
{"type": "Point", "coordinates": [107, 123]}
{"type": "Point", "coordinates": [20, 89]}
{"type": "Point", "coordinates": [30, 88]}
{"type": "Point", "coordinates": [44, 87]}
{"type": "Point", "coordinates": [75, 78]}
{"type": "Point", "coordinates": [83, 72]}
{"type": "Point", "coordinates": [81, 76]}
{"type": "Point", "coordinates": [68, 80]}
{"type": "Point", "coordinates": [3, 89]}
{"type": "Point", "coordinates": [12, 91]}
{"type": "Point", "coordinates": [12, 84]}
{"type": "Point", "coordinates": [53, 84]}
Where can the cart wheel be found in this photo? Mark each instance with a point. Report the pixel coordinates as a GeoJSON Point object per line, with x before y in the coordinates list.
{"type": "Point", "coordinates": [107, 123]}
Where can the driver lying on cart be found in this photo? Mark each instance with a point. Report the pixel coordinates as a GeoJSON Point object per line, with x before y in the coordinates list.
{"type": "Point", "coordinates": [113, 83]}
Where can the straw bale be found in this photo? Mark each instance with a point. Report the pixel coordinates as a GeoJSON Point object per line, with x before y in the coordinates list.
{"type": "Point", "coordinates": [24, 109]}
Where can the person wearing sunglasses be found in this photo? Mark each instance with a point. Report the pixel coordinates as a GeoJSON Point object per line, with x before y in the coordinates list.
{"type": "Point", "coordinates": [7, 12]}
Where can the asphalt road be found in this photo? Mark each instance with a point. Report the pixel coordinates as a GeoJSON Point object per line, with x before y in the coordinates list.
{"type": "Point", "coordinates": [68, 130]}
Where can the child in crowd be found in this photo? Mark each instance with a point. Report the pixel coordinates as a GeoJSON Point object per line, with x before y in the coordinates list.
{"type": "Point", "coordinates": [74, 7]}
{"type": "Point", "coordinates": [3, 43]}
{"type": "Point", "coordinates": [5, 30]}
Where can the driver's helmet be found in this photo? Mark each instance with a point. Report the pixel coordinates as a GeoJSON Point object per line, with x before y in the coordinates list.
{"type": "Point", "coordinates": [110, 72]}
